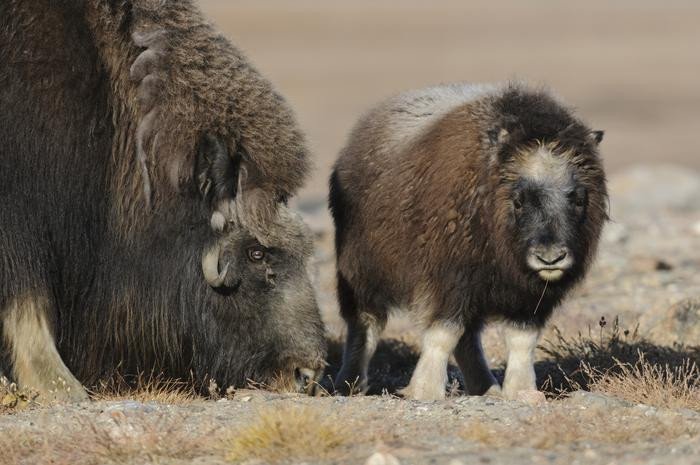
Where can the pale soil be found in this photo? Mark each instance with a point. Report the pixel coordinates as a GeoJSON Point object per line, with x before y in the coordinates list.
{"type": "Point", "coordinates": [463, 430]}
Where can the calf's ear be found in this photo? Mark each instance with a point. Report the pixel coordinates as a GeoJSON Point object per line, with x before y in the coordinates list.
{"type": "Point", "coordinates": [597, 136]}
{"type": "Point", "coordinates": [497, 136]}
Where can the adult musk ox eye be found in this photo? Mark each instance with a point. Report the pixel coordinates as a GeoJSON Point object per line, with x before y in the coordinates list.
{"type": "Point", "coordinates": [255, 254]}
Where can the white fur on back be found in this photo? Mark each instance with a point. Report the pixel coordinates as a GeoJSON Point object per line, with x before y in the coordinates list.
{"type": "Point", "coordinates": [409, 114]}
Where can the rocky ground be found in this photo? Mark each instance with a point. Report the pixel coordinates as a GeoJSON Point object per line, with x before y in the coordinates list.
{"type": "Point", "coordinates": [646, 276]}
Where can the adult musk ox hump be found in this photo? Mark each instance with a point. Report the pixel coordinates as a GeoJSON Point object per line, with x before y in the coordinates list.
{"type": "Point", "coordinates": [463, 204]}
{"type": "Point", "coordinates": [144, 172]}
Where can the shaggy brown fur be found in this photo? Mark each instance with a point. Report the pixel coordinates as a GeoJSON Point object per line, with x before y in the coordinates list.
{"type": "Point", "coordinates": [441, 198]}
{"type": "Point", "coordinates": [144, 170]}
{"type": "Point", "coordinates": [174, 76]}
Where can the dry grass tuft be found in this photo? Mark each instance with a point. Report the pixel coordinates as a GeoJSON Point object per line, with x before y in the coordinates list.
{"type": "Point", "coordinates": [573, 363]}
{"type": "Point", "coordinates": [550, 429]}
{"type": "Point", "coordinates": [288, 434]}
{"type": "Point", "coordinates": [110, 439]}
{"type": "Point", "coordinates": [13, 398]}
{"type": "Point", "coordinates": [144, 388]}
{"type": "Point", "coordinates": [648, 383]}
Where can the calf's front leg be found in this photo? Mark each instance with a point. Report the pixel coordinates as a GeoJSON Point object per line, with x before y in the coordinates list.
{"type": "Point", "coordinates": [430, 376]}
{"type": "Point", "coordinates": [521, 342]}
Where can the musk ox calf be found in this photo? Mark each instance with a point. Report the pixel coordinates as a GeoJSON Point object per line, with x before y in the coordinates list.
{"type": "Point", "coordinates": [144, 172]}
{"type": "Point", "coordinates": [463, 204]}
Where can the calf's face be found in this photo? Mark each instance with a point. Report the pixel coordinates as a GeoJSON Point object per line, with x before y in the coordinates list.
{"type": "Point", "coordinates": [549, 206]}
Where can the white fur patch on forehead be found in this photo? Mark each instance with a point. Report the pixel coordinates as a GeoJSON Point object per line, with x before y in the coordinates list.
{"type": "Point", "coordinates": [543, 166]}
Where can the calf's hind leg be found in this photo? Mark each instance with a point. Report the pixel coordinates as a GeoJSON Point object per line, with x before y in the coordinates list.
{"type": "Point", "coordinates": [364, 331]}
{"type": "Point", "coordinates": [35, 361]}
{"type": "Point", "coordinates": [478, 379]}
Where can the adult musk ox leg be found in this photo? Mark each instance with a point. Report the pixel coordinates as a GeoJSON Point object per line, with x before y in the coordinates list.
{"type": "Point", "coordinates": [35, 361]}
{"type": "Point", "coordinates": [430, 376]}
{"type": "Point", "coordinates": [478, 379]}
{"type": "Point", "coordinates": [364, 330]}
{"type": "Point", "coordinates": [520, 370]}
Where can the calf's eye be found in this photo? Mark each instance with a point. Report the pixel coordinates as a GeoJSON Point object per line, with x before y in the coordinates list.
{"type": "Point", "coordinates": [255, 254]}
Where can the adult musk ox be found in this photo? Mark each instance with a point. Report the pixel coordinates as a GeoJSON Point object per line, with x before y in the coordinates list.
{"type": "Point", "coordinates": [464, 204]}
{"type": "Point", "coordinates": [144, 171]}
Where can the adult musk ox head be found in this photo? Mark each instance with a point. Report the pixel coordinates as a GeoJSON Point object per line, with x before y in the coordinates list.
{"type": "Point", "coordinates": [553, 200]}
{"type": "Point", "coordinates": [254, 263]}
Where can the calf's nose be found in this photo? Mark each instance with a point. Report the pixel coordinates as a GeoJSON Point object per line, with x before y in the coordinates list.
{"type": "Point", "coordinates": [551, 256]}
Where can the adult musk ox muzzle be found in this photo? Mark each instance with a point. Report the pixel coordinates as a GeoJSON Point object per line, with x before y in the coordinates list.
{"type": "Point", "coordinates": [254, 263]}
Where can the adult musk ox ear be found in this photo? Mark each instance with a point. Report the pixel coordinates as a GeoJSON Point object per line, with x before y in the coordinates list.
{"type": "Point", "coordinates": [597, 136]}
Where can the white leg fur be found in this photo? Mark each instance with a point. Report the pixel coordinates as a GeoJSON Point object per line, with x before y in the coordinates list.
{"type": "Point", "coordinates": [430, 376]}
{"type": "Point", "coordinates": [520, 370]}
{"type": "Point", "coordinates": [36, 362]}
{"type": "Point", "coordinates": [372, 339]}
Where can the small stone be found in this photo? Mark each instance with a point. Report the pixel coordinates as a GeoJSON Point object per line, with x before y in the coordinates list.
{"type": "Point", "coordinates": [382, 458]}
{"type": "Point", "coordinates": [245, 398]}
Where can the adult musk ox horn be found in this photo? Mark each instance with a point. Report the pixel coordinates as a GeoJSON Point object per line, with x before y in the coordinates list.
{"type": "Point", "coordinates": [210, 266]}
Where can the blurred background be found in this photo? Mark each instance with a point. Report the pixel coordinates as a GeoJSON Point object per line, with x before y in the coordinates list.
{"type": "Point", "coordinates": [632, 67]}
